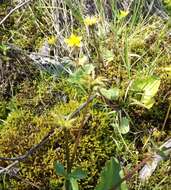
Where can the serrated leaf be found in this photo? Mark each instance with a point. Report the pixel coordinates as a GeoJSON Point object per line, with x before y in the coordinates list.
{"type": "Point", "coordinates": [111, 94]}
{"type": "Point", "coordinates": [74, 184]}
{"type": "Point", "coordinates": [111, 176]}
{"type": "Point", "coordinates": [78, 173]}
{"type": "Point", "coordinates": [60, 170]}
{"type": "Point", "coordinates": [124, 125]}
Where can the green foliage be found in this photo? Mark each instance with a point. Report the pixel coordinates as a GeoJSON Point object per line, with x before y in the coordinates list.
{"type": "Point", "coordinates": [72, 177]}
{"type": "Point", "coordinates": [4, 49]}
{"type": "Point", "coordinates": [74, 184]}
{"type": "Point", "coordinates": [76, 11]}
{"type": "Point", "coordinates": [82, 76]}
{"type": "Point", "coordinates": [111, 94]}
{"type": "Point", "coordinates": [60, 170]}
{"type": "Point", "coordinates": [148, 87]}
{"type": "Point", "coordinates": [168, 5]}
{"type": "Point", "coordinates": [37, 104]}
{"type": "Point", "coordinates": [75, 175]}
{"type": "Point", "coordinates": [124, 125]}
{"type": "Point", "coordinates": [111, 176]}
{"type": "Point", "coordinates": [78, 173]}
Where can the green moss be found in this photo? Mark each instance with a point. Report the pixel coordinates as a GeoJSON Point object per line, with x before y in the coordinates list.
{"type": "Point", "coordinates": [26, 125]}
{"type": "Point", "coordinates": [38, 103]}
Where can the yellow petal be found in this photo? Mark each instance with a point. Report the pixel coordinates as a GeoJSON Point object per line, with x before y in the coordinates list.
{"type": "Point", "coordinates": [73, 40]}
{"type": "Point", "coordinates": [90, 20]}
{"type": "Point", "coordinates": [123, 14]}
{"type": "Point", "coordinates": [52, 40]}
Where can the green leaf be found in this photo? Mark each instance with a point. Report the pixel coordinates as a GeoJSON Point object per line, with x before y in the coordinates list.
{"type": "Point", "coordinates": [74, 184]}
{"type": "Point", "coordinates": [111, 176]}
{"type": "Point", "coordinates": [78, 173]}
{"type": "Point", "coordinates": [124, 125]}
{"type": "Point", "coordinates": [150, 91]}
{"type": "Point", "coordinates": [108, 55]}
{"type": "Point", "coordinates": [152, 86]}
{"type": "Point", "coordinates": [148, 87]}
{"type": "Point", "coordinates": [111, 94]}
{"type": "Point", "coordinates": [60, 170]}
{"type": "Point", "coordinates": [4, 49]}
{"type": "Point", "coordinates": [136, 102]}
{"type": "Point", "coordinates": [147, 102]}
{"type": "Point", "coordinates": [82, 75]}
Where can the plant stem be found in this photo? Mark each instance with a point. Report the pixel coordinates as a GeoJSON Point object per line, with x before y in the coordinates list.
{"type": "Point", "coordinates": [80, 129]}
{"type": "Point", "coordinates": [96, 45]}
{"type": "Point", "coordinates": [166, 117]}
{"type": "Point", "coordinates": [132, 172]}
{"type": "Point", "coordinates": [67, 184]}
{"type": "Point", "coordinates": [67, 155]}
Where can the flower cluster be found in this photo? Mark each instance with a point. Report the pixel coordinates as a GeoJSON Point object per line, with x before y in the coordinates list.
{"type": "Point", "coordinates": [74, 40]}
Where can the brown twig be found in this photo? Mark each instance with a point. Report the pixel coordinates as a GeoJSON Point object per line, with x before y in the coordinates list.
{"type": "Point", "coordinates": [67, 156]}
{"type": "Point", "coordinates": [13, 10]}
{"type": "Point", "coordinates": [166, 117]}
{"type": "Point", "coordinates": [132, 172]}
{"type": "Point", "coordinates": [78, 110]}
{"type": "Point", "coordinates": [89, 99]}
{"type": "Point", "coordinates": [11, 173]}
{"type": "Point", "coordinates": [67, 150]}
{"type": "Point", "coordinates": [3, 170]}
{"type": "Point", "coordinates": [50, 133]}
{"type": "Point", "coordinates": [16, 160]}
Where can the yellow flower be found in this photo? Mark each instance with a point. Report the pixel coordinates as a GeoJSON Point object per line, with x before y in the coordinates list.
{"type": "Point", "coordinates": [73, 40]}
{"type": "Point", "coordinates": [156, 134]}
{"type": "Point", "coordinates": [90, 20]}
{"type": "Point", "coordinates": [52, 40]}
{"type": "Point", "coordinates": [123, 14]}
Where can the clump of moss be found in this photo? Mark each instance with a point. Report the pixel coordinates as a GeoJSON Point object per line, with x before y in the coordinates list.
{"type": "Point", "coordinates": [33, 113]}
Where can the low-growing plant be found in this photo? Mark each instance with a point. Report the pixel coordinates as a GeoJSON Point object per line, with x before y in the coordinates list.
{"type": "Point", "coordinates": [103, 107]}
